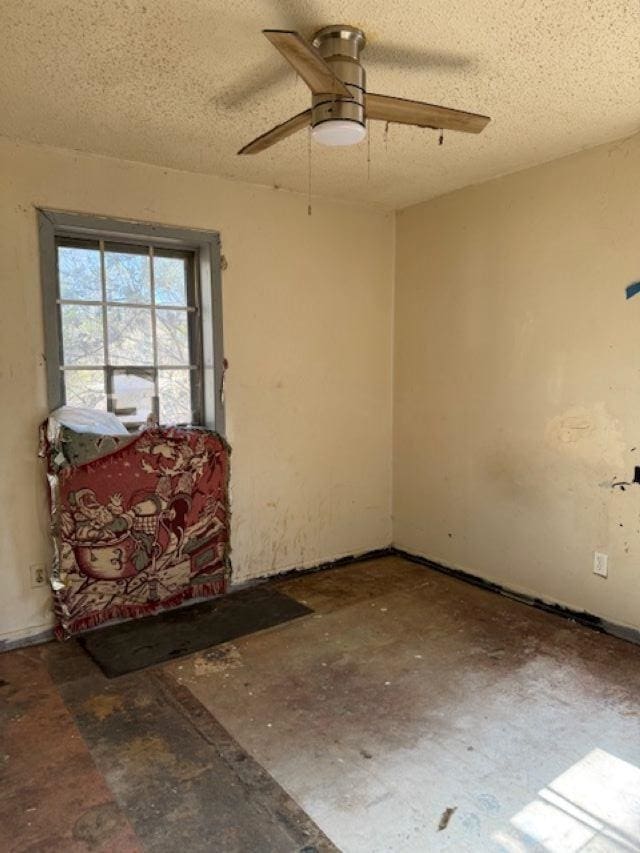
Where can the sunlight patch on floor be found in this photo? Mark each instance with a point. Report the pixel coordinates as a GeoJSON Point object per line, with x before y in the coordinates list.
{"type": "Point", "coordinates": [593, 806]}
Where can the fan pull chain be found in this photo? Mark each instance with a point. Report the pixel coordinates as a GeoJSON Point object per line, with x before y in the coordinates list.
{"type": "Point", "coordinates": [368, 150]}
{"type": "Point", "coordinates": [441, 140]}
{"type": "Point", "coordinates": [386, 134]}
{"type": "Point", "coordinates": [309, 172]}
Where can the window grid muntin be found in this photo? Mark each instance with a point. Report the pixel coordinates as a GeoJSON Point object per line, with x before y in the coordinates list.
{"type": "Point", "coordinates": [105, 322]}
{"type": "Point", "coordinates": [191, 308]}
{"type": "Point", "coordinates": [154, 339]}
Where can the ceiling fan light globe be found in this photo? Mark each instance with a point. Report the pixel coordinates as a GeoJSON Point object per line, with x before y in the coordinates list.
{"type": "Point", "coordinates": [339, 132]}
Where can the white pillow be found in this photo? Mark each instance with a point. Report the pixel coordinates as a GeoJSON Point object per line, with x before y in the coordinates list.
{"type": "Point", "coordinates": [89, 420]}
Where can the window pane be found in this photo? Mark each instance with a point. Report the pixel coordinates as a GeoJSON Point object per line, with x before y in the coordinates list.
{"type": "Point", "coordinates": [130, 339]}
{"type": "Point", "coordinates": [85, 388]}
{"type": "Point", "coordinates": [170, 279]}
{"type": "Point", "coordinates": [79, 273]}
{"type": "Point", "coordinates": [174, 387]}
{"type": "Point", "coordinates": [133, 395]}
{"type": "Point", "coordinates": [172, 335]}
{"type": "Point", "coordinates": [128, 277]}
{"type": "Point", "coordinates": [82, 334]}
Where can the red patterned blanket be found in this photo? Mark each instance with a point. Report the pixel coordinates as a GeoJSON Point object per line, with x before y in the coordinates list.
{"type": "Point", "coordinates": [141, 528]}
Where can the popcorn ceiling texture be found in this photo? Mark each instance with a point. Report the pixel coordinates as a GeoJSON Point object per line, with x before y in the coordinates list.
{"type": "Point", "coordinates": [185, 83]}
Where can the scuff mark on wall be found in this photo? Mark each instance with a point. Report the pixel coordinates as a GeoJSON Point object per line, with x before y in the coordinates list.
{"type": "Point", "coordinates": [622, 484]}
{"type": "Point", "coordinates": [572, 428]}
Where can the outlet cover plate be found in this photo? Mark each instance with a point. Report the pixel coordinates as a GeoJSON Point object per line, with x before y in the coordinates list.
{"type": "Point", "coordinates": [600, 564]}
{"type": "Point", "coordinates": [38, 573]}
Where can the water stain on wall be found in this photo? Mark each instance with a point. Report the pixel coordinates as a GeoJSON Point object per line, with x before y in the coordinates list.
{"type": "Point", "coordinates": [590, 434]}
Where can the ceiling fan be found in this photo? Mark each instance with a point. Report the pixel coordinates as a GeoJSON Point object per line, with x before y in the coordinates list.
{"type": "Point", "coordinates": [341, 105]}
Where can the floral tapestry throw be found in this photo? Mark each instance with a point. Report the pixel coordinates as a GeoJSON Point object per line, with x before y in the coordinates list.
{"type": "Point", "coordinates": [140, 524]}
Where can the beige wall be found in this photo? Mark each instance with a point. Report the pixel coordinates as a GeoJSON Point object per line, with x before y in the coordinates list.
{"type": "Point", "coordinates": [517, 380]}
{"type": "Point", "coordinates": [308, 387]}
{"type": "Point", "coordinates": [517, 366]}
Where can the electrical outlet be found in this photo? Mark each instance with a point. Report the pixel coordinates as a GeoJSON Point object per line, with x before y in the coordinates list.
{"type": "Point", "coordinates": [38, 573]}
{"type": "Point", "coordinates": [600, 564]}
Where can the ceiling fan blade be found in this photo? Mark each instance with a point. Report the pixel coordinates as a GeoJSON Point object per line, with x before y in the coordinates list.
{"type": "Point", "coordinates": [277, 133]}
{"type": "Point", "coordinates": [384, 108]}
{"type": "Point", "coordinates": [307, 62]}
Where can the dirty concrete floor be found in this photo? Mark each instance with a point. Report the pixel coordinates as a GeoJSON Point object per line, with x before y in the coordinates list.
{"type": "Point", "coordinates": [409, 712]}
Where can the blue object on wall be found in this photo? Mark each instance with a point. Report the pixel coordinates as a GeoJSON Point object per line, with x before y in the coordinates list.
{"type": "Point", "coordinates": [632, 289]}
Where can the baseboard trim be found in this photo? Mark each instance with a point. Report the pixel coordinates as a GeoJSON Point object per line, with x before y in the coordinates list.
{"type": "Point", "coordinates": [7, 645]}
{"type": "Point", "coordinates": [347, 560]}
{"type": "Point", "coordinates": [40, 636]}
{"type": "Point", "coordinates": [589, 620]}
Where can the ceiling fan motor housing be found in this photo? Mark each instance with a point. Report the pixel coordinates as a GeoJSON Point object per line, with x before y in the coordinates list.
{"type": "Point", "coordinates": [340, 47]}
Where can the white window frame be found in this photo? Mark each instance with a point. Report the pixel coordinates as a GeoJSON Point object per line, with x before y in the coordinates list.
{"type": "Point", "coordinates": [205, 245]}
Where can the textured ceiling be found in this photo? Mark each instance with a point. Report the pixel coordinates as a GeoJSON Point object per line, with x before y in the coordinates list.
{"type": "Point", "coordinates": [185, 83]}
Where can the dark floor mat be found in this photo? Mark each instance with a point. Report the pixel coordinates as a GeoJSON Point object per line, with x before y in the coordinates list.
{"type": "Point", "coordinates": [134, 645]}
